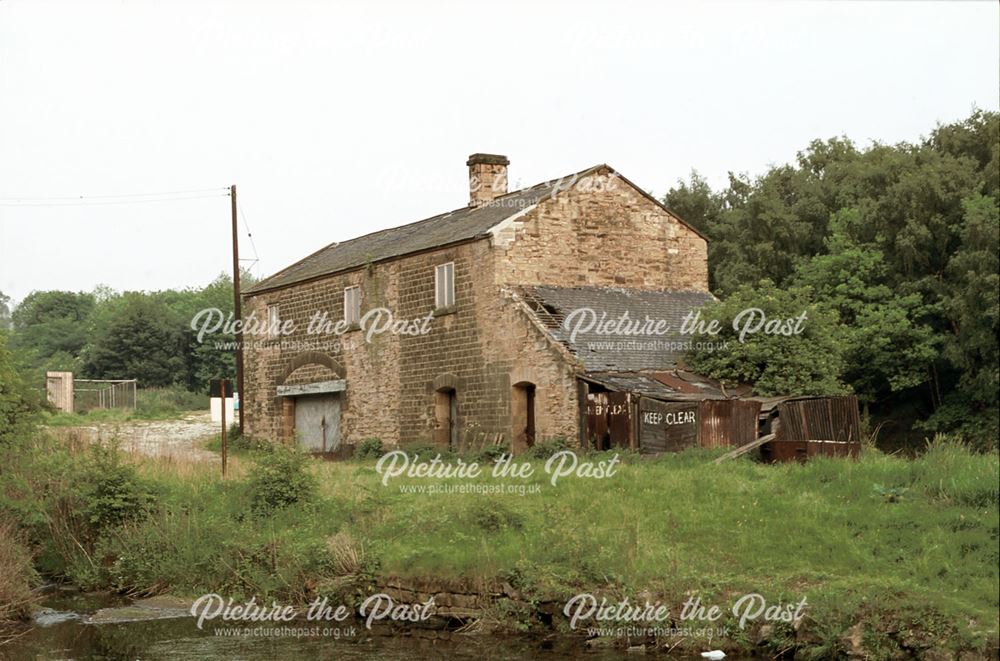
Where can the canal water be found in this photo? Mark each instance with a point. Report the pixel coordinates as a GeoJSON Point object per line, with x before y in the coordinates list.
{"type": "Point", "coordinates": [62, 631]}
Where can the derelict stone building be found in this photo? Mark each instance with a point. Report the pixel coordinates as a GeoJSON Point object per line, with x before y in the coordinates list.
{"type": "Point", "coordinates": [476, 350]}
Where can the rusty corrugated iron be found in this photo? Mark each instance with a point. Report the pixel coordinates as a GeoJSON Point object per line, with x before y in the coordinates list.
{"type": "Point", "coordinates": [826, 426]}
{"type": "Point", "coordinates": [609, 420]}
{"type": "Point", "coordinates": [727, 422]}
{"type": "Point", "coordinates": [819, 419]}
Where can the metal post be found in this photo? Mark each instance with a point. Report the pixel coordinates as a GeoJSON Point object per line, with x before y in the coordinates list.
{"type": "Point", "coordinates": [237, 305]}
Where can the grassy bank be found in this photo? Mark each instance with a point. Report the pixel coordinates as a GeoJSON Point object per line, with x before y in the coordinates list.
{"type": "Point", "coordinates": [907, 549]}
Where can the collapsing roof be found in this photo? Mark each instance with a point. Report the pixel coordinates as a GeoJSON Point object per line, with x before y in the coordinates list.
{"type": "Point", "coordinates": [563, 310]}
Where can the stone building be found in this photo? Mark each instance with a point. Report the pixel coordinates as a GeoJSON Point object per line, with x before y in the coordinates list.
{"type": "Point", "coordinates": [478, 351]}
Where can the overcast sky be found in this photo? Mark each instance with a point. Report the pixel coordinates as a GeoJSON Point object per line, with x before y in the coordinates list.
{"type": "Point", "coordinates": [338, 119]}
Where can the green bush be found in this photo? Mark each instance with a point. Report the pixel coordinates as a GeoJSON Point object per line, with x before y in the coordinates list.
{"type": "Point", "coordinates": [369, 448]}
{"type": "Point", "coordinates": [546, 449]}
{"type": "Point", "coordinates": [279, 479]}
{"type": "Point", "coordinates": [489, 454]}
{"type": "Point", "coordinates": [111, 490]}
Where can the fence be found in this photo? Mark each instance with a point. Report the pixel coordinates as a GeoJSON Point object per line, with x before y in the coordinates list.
{"type": "Point", "coordinates": [104, 394]}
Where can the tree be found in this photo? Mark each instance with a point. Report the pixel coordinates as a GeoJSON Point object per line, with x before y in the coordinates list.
{"type": "Point", "coordinates": [18, 403]}
{"type": "Point", "coordinates": [973, 310]}
{"type": "Point", "coordinates": [887, 346]}
{"type": "Point", "coordinates": [808, 362]}
{"type": "Point", "coordinates": [142, 341]}
{"type": "Point", "coordinates": [5, 322]}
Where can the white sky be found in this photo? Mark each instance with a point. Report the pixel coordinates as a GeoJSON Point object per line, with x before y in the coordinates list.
{"type": "Point", "coordinates": [337, 119]}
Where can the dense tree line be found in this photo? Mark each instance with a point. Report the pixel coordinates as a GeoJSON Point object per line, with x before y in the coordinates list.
{"type": "Point", "coordinates": [895, 249]}
{"type": "Point", "coordinates": [123, 335]}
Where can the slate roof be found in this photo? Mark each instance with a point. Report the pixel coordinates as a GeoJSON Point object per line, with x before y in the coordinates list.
{"type": "Point", "coordinates": [452, 227]}
{"type": "Point", "coordinates": [600, 352]}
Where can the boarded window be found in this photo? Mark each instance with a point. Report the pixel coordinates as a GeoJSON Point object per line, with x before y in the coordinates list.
{"type": "Point", "coordinates": [352, 305]}
{"type": "Point", "coordinates": [444, 285]}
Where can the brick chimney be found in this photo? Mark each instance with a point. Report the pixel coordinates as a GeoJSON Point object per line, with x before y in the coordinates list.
{"type": "Point", "coordinates": [487, 178]}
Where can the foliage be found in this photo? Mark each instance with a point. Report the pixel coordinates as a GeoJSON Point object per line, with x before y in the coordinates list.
{"type": "Point", "coordinates": [370, 447]}
{"type": "Point", "coordinates": [809, 362]}
{"type": "Point", "coordinates": [280, 479]}
{"type": "Point", "coordinates": [900, 241]}
{"type": "Point", "coordinates": [17, 576]}
{"type": "Point", "coordinates": [111, 491]}
{"type": "Point", "coordinates": [546, 448]}
{"type": "Point", "coordinates": [887, 345]}
{"type": "Point", "coordinates": [108, 334]}
{"type": "Point", "coordinates": [139, 342]}
{"type": "Point", "coordinates": [19, 406]}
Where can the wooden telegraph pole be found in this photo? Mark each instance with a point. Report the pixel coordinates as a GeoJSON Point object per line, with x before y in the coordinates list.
{"type": "Point", "coordinates": [222, 386]}
{"type": "Point", "coordinates": [237, 312]}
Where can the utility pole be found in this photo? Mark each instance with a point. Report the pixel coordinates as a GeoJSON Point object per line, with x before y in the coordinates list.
{"type": "Point", "coordinates": [222, 385]}
{"type": "Point", "coordinates": [237, 308]}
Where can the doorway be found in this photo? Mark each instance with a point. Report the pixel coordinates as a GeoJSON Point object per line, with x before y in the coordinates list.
{"type": "Point", "coordinates": [317, 422]}
{"type": "Point", "coordinates": [522, 413]}
{"type": "Point", "coordinates": [446, 417]}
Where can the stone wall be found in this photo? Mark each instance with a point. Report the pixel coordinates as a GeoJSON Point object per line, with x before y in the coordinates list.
{"type": "Point", "coordinates": [480, 347]}
{"type": "Point", "coordinates": [601, 231]}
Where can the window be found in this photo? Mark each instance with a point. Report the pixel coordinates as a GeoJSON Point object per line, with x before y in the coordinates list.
{"type": "Point", "coordinates": [444, 285]}
{"type": "Point", "coordinates": [352, 305]}
{"type": "Point", "coordinates": [273, 321]}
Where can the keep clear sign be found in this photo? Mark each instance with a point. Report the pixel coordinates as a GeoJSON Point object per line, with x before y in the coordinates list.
{"type": "Point", "coordinates": [667, 426]}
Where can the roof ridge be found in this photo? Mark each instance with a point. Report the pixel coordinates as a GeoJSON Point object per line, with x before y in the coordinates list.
{"type": "Point", "coordinates": [264, 284]}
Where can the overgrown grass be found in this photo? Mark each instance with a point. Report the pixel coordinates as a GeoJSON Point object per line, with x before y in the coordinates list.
{"type": "Point", "coordinates": [151, 404]}
{"type": "Point", "coordinates": [17, 576]}
{"type": "Point", "coordinates": [892, 543]}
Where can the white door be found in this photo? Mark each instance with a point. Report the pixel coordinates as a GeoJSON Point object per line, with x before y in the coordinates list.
{"type": "Point", "coordinates": [317, 422]}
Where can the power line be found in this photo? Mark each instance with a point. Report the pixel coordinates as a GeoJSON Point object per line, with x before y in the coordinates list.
{"type": "Point", "coordinates": [77, 198]}
{"type": "Point", "coordinates": [110, 202]}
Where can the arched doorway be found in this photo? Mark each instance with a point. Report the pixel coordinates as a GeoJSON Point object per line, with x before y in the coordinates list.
{"type": "Point", "coordinates": [522, 415]}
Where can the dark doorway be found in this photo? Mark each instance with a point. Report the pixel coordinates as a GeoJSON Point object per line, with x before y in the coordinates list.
{"type": "Point", "coordinates": [446, 416]}
{"type": "Point", "coordinates": [522, 413]}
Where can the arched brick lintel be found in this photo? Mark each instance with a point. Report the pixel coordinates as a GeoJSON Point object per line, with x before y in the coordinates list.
{"type": "Point", "coordinates": [311, 358]}
{"type": "Point", "coordinates": [446, 381]}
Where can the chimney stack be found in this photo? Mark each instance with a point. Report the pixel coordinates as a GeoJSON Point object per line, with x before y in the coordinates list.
{"type": "Point", "coordinates": [487, 178]}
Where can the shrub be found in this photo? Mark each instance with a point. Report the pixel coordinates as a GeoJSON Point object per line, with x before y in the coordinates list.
{"type": "Point", "coordinates": [369, 448]}
{"type": "Point", "coordinates": [489, 454]}
{"type": "Point", "coordinates": [546, 449]}
{"type": "Point", "coordinates": [280, 479]}
{"type": "Point", "coordinates": [111, 490]}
